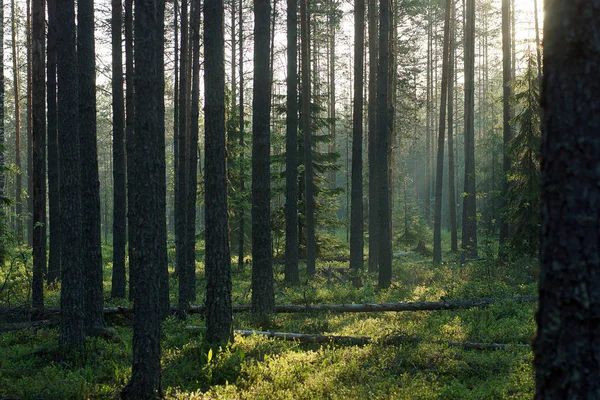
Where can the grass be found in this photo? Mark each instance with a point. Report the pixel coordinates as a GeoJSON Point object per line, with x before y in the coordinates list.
{"type": "Point", "coordinates": [261, 368]}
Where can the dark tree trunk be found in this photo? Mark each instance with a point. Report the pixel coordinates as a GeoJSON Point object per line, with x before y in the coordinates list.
{"type": "Point", "coordinates": [356, 221]}
{"type": "Point", "coordinates": [567, 348]}
{"type": "Point", "coordinates": [146, 197]}
{"type": "Point", "coordinates": [428, 117]}
{"type": "Point", "coordinates": [451, 176]}
{"type": "Point", "coordinates": [17, 107]}
{"type": "Point", "coordinates": [28, 107]}
{"type": "Point", "coordinates": [72, 328]}
{"type": "Point", "coordinates": [193, 149]}
{"type": "Point", "coordinates": [163, 267]}
{"type": "Point", "coordinates": [263, 294]}
{"type": "Point", "coordinates": [129, 118]}
{"type": "Point", "coordinates": [439, 178]}
{"type": "Point", "coordinates": [372, 135]}
{"type": "Point", "coordinates": [241, 221]}
{"type": "Point", "coordinates": [384, 247]}
{"type": "Point", "coordinates": [53, 173]}
{"type": "Point", "coordinates": [91, 250]}
{"type": "Point", "coordinates": [469, 217]}
{"type": "Point", "coordinates": [175, 107]}
{"type": "Point", "coordinates": [309, 198]}
{"type": "Point", "coordinates": [118, 289]}
{"type": "Point", "coordinates": [219, 316]}
{"type": "Point", "coordinates": [182, 172]}
{"type": "Point", "coordinates": [3, 222]}
{"type": "Point", "coordinates": [39, 151]}
{"type": "Point", "coordinates": [506, 128]}
{"type": "Point", "coordinates": [291, 148]}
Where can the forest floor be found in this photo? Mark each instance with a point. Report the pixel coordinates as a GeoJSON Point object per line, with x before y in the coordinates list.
{"type": "Point", "coordinates": [256, 367]}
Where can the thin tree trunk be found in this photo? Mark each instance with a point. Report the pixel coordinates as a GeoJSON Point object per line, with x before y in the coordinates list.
{"type": "Point", "coordinates": [291, 148]}
{"type": "Point", "coordinates": [72, 327]}
{"type": "Point", "coordinates": [54, 256]}
{"type": "Point", "coordinates": [566, 347]}
{"type": "Point", "coordinates": [451, 176]}
{"type": "Point", "coordinates": [219, 317]}
{"type": "Point", "coordinates": [309, 199]}
{"type": "Point", "coordinates": [29, 220]}
{"type": "Point", "coordinates": [183, 168]}
{"type": "Point", "coordinates": [372, 141]}
{"type": "Point", "coordinates": [119, 186]}
{"type": "Point", "coordinates": [437, 223]}
{"type": "Point", "coordinates": [175, 113]}
{"type": "Point", "coordinates": [356, 221]}
{"type": "Point", "coordinates": [145, 206]}
{"type": "Point", "coordinates": [427, 205]}
{"type": "Point", "coordinates": [39, 151]}
{"type": "Point", "coordinates": [241, 221]}
{"type": "Point", "coordinates": [538, 46]}
{"type": "Point", "coordinates": [16, 91]}
{"type": "Point", "coordinates": [129, 119]}
{"type": "Point", "coordinates": [506, 128]}
{"type": "Point", "coordinates": [3, 212]}
{"type": "Point", "coordinates": [332, 71]}
{"type": "Point", "coordinates": [469, 231]}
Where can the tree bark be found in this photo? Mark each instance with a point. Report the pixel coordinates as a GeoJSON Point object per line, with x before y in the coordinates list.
{"type": "Point", "coordinates": [39, 150]}
{"type": "Point", "coordinates": [118, 289]}
{"type": "Point", "coordinates": [175, 109]}
{"type": "Point", "coordinates": [372, 134]}
{"type": "Point", "coordinates": [219, 318]}
{"type": "Point", "coordinates": [72, 328]}
{"type": "Point", "coordinates": [309, 197]}
{"type": "Point", "coordinates": [566, 349]}
{"type": "Point", "coordinates": [263, 293]}
{"type": "Point", "coordinates": [291, 148]}
{"type": "Point", "coordinates": [129, 119]}
{"type": "Point", "coordinates": [146, 195]}
{"type": "Point", "coordinates": [469, 217]}
{"type": "Point", "coordinates": [242, 221]}
{"type": "Point", "coordinates": [356, 221]}
{"type": "Point", "coordinates": [53, 169]}
{"type": "Point", "coordinates": [437, 220]}
{"type": "Point", "coordinates": [506, 128]}
{"type": "Point", "coordinates": [538, 46]}
{"type": "Point", "coordinates": [16, 92]}
{"type": "Point", "coordinates": [3, 221]}
{"type": "Point", "coordinates": [384, 247]}
{"type": "Point", "coordinates": [28, 107]}
{"type": "Point", "coordinates": [90, 184]}
{"type": "Point", "coordinates": [451, 166]}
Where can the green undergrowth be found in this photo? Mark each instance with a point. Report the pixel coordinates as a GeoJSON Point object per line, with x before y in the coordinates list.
{"type": "Point", "coordinates": [419, 365]}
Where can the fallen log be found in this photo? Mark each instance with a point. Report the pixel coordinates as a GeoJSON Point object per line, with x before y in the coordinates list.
{"type": "Point", "coordinates": [17, 326]}
{"type": "Point", "coordinates": [362, 340]}
{"type": "Point", "coordinates": [340, 308]}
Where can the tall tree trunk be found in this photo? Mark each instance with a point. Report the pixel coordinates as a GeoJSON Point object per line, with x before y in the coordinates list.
{"type": "Point", "coordinates": [183, 168]}
{"type": "Point", "coordinates": [506, 128]}
{"type": "Point", "coordinates": [3, 213]}
{"type": "Point", "coordinates": [72, 328]}
{"type": "Point", "coordinates": [119, 186]}
{"type": "Point", "coordinates": [53, 169]}
{"type": "Point", "coordinates": [469, 218]}
{"type": "Point", "coordinates": [16, 91]}
{"type": "Point", "coordinates": [146, 195]}
{"type": "Point", "coordinates": [356, 221]}
{"type": "Point", "coordinates": [372, 141]}
{"type": "Point", "coordinates": [566, 348]}
{"type": "Point", "coordinates": [437, 222]}
{"type": "Point", "coordinates": [219, 317]}
{"type": "Point", "coordinates": [428, 117]}
{"type": "Point", "coordinates": [306, 129]}
{"type": "Point", "coordinates": [129, 119]}
{"type": "Point", "coordinates": [163, 262]}
{"type": "Point", "coordinates": [29, 220]}
{"type": "Point", "coordinates": [175, 111]}
{"type": "Point", "coordinates": [90, 184]}
{"type": "Point", "coordinates": [384, 258]}
{"type": "Point", "coordinates": [263, 294]}
{"type": "Point", "coordinates": [193, 148]}
{"type": "Point", "coordinates": [451, 165]}
{"type": "Point", "coordinates": [241, 221]}
{"type": "Point", "coordinates": [332, 71]}
{"type": "Point", "coordinates": [291, 148]}
{"type": "Point", "coordinates": [39, 150]}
